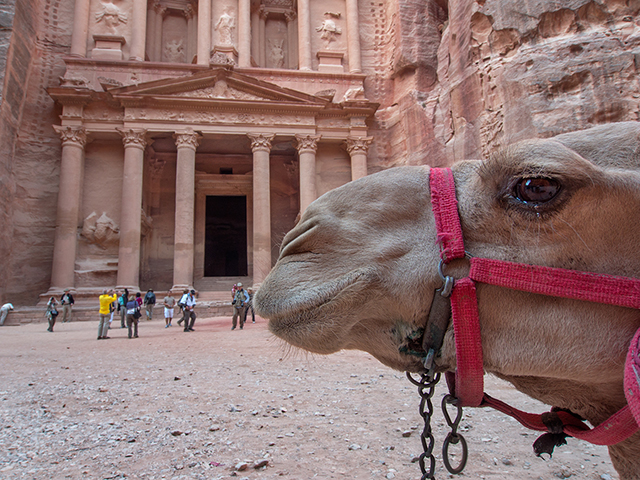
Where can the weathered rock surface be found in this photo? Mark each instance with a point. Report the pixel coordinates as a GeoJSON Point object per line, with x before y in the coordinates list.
{"type": "Point", "coordinates": [455, 79]}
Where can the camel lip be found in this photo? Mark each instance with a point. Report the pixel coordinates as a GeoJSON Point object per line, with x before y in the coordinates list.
{"type": "Point", "coordinates": [302, 302]}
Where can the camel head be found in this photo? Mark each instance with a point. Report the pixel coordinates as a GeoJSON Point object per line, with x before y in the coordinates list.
{"type": "Point", "coordinates": [359, 270]}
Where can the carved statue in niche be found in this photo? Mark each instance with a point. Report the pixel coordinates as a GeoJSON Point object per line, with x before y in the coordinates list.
{"type": "Point", "coordinates": [226, 24]}
{"type": "Point", "coordinates": [101, 231]}
{"type": "Point", "coordinates": [276, 53]}
{"type": "Point", "coordinates": [174, 51]}
{"type": "Point", "coordinates": [111, 15]}
{"type": "Point", "coordinates": [329, 31]}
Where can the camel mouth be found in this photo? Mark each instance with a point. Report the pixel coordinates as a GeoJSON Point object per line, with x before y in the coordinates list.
{"type": "Point", "coordinates": [302, 299]}
{"type": "Point", "coordinates": [308, 317]}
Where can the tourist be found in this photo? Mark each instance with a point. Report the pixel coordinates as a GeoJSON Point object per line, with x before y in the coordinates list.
{"type": "Point", "coordinates": [139, 299]}
{"type": "Point", "coordinates": [189, 314]}
{"type": "Point", "coordinates": [4, 311]}
{"type": "Point", "coordinates": [149, 303]}
{"type": "Point", "coordinates": [133, 314]}
{"type": "Point", "coordinates": [181, 304]}
{"type": "Point", "coordinates": [240, 301]}
{"type": "Point", "coordinates": [67, 301]}
{"type": "Point", "coordinates": [106, 300]}
{"type": "Point", "coordinates": [250, 307]}
{"type": "Point", "coordinates": [169, 302]}
{"type": "Point", "coordinates": [52, 313]}
{"type": "Point", "coordinates": [112, 307]}
{"type": "Point", "coordinates": [122, 307]}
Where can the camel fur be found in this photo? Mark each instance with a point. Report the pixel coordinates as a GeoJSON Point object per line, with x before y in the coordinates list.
{"type": "Point", "coordinates": [359, 270]}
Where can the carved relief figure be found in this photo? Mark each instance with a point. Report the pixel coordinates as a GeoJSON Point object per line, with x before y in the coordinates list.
{"type": "Point", "coordinates": [276, 53]}
{"type": "Point", "coordinates": [101, 231]}
{"type": "Point", "coordinates": [329, 31]}
{"type": "Point", "coordinates": [225, 27]}
{"type": "Point", "coordinates": [174, 51]}
{"type": "Point", "coordinates": [111, 15]}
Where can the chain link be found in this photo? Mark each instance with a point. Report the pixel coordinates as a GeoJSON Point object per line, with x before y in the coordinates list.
{"type": "Point", "coordinates": [426, 388]}
{"type": "Point", "coordinates": [453, 437]}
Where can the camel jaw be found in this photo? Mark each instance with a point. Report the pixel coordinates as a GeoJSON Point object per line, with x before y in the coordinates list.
{"type": "Point", "coordinates": [311, 317]}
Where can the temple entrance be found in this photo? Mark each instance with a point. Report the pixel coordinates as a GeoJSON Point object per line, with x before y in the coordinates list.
{"type": "Point", "coordinates": [226, 236]}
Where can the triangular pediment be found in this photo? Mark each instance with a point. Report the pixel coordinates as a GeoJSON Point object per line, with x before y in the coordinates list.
{"type": "Point", "coordinates": [216, 85]}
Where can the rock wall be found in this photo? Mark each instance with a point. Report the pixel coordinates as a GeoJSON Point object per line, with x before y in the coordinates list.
{"type": "Point", "coordinates": [29, 148]}
{"type": "Point", "coordinates": [455, 80]}
{"type": "Point", "coordinates": [505, 70]}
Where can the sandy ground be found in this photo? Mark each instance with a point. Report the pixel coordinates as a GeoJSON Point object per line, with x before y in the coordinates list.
{"type": "Point", "coordinates": [215, 403]}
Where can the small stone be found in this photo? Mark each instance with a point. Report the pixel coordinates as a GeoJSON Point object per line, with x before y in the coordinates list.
{"type": "Point", "coordinates": [261, 463]}
{"type": "Point", "coordinates": [242, 466]}
{"type": "Point", "coordinates": [605, 476]}
{"type": "Point", "coordinates": [176, 433]}
{"type": "Point", "coordinates": [506, 461]}
{"type": "Point", "coordinates": [214, 428]}
{"type": "Point", "coordinates": [103, 389]}
{"type": "Point", "coordinates": [407, 433]}
{"type": "Point", "coordinates": [354, 446]}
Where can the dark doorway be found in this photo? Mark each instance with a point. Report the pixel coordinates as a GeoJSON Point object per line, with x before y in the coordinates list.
{"type": "Point", "coordinates": [225, 253]}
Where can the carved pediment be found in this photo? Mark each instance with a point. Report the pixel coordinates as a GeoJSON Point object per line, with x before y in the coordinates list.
{"type": "Point", "coordinates": [217, 85]}
{"type": "Point", "coordinates": [223, 91]}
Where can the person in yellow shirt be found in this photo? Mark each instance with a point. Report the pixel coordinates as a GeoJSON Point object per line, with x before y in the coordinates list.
{"type": "Point", "coordinates": [106, 299]}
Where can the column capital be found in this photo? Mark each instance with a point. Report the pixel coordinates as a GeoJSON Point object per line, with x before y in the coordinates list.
{"type": "Point", "coordinates": [159, 9]}
{"type": "Point", "coordinates": [260, 141]}
{"type": "Point", "coordinates": [290, 16]}
{"type": "Point", "coordinates": [187, 139]}
{"type": "Point", "coordinates": [307, 143]}
{"type": "Point", "coordinates": [358, 144]}
{"type": "Point", "coordinates": [72, 135]}
{"type": "Point", "coordinates": [133, 137]}
{"type": "Point", "coordinates": [263, 12]}
{"type": "Point", "coordinates": [189, 12]}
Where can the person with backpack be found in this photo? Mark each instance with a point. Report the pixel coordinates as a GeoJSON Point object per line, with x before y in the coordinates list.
{"type": "Point", "coordinates": [133, 314]}
{"type": "Point", "coordinates": [149, 303]}
{"type": "Point", "coordinates": [240, 300]}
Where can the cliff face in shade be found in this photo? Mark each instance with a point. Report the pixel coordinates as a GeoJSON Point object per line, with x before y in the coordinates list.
{"type": "Point", "coordinates": [454, 79]}
{"type": "Point", "coordinates": [505, 71]}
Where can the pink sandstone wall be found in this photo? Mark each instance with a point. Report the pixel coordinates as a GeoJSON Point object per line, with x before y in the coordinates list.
{"type": "Point", "coordinates": [455, 79]}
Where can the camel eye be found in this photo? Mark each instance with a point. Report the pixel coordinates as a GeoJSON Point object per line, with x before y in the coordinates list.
{"type": "Point", "coordinates": [536, 190]}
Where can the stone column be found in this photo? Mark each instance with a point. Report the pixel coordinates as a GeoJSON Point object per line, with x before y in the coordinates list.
{"type": "Point", "coordinates": [357, 148]}
{"type": "Point", "coordinates": [204, 32]}
{"type": "Point", "coordinates": [157, 33]}
{"type": "Point", "coordinates": [64, 248]}
{"type": "Point", "coordinates": [135, 142]}
{"type": "Point", "coordinates": [139, 31]}
{"type": "Point", "coordinates": [262, 54]}
{"type": "Point", "coordinates": [292, 42]}
{"type": "Point", "coordinates": [151, 33]}
{"type": "Point", "coordinates": [307, 147]}
{"type": "Point", "coordinates": [304, 35]}
{"type": "Point", "coordinates": [192, 36]}
{"type": "Point", "coordinates": [186, 142]}
{"type": "Point", "coordinates": [353, 37]}
{"type": "Point", "coordinates": [244, 33]}
{"type": "Point", "coordinates": [255, 37]}
{"type": "Point", "coordinates": [80, 28]}
{"type": "Point", "coordinates": [261, 147]}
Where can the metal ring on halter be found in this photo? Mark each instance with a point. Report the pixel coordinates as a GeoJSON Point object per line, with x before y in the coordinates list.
{"type": "Point", "coordinates": [448, 281]}
{"type": "Point", "coordinates": [453, 439]}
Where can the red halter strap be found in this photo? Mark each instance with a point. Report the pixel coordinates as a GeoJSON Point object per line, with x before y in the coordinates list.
{"type": "Point", "coordinates": [467, 382]}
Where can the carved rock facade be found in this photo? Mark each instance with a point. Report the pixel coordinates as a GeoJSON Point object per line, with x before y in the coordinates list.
{"type": "Point", "coordinates": [180, 108]}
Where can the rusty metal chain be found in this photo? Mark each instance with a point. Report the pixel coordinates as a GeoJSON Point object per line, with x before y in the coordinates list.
{"type": "Point", "coordinates": [453, 437]}
{"type": "Point", "coordinates": [426, 389]}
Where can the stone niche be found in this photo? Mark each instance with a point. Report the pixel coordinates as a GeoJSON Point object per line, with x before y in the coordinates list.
{"type": "Point", "coordinates": [274, 34]}
{"type": "Point", "coordinates": [110, 24]}
{"type": "Point", "coordinates": [171, 31]}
